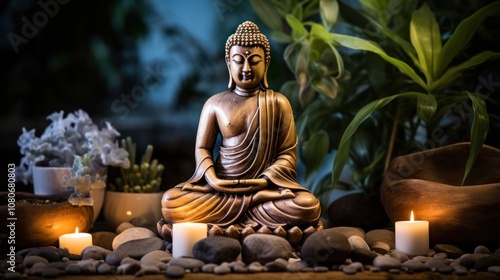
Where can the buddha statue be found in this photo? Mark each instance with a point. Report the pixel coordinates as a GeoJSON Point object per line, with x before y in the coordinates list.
{"type": "Point", "coordinates": [251, 186]}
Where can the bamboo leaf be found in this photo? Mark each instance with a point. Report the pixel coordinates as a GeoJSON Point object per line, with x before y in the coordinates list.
{"type": "Point", "coordinates": [299, 31]}
{"type": "Point", "coordinates": [366, 45]}
{"type": "Point", "coordinates": [454, 72]}
{"type": "Point", "coordinates": [426, 106]}
{"type": "Point", "coordinates": [329, 12]}
{"type": "Point", "coordinates": [426, 39]}
{"type": "Point", "coordinates": [462, 35]}
{"type": "Point", "coordinates": [267, 13]}
{"type": "Point", "coordinates": [479, 131]}
{"type": "Point", "coordinates": [364, 113]}
{"type": "Point", "coordinates": [298, 12]}
{"type": "Point", "coordinates": [328, 86]}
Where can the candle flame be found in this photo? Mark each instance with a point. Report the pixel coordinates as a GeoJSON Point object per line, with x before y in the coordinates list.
{"type": "Point", "coordinates": [76, 230]}
{"type": "Point", "coordinates": [411, 216]}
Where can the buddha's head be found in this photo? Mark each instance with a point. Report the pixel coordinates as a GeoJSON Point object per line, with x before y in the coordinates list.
{"type": "Point", "coordinates": [248, 54]}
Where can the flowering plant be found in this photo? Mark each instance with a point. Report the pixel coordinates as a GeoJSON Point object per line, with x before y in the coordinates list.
{"type": "Point", "coordinates": [67, 137]}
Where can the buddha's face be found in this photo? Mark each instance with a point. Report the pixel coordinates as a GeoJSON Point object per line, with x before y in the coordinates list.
{"type": "Point", "coordinates": [247, 66]}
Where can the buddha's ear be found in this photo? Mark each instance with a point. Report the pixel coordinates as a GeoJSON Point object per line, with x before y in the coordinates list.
{"type": "Point", "coordinates": [231, 84]}
{"type": "Point", "coordinates": [265, 84]}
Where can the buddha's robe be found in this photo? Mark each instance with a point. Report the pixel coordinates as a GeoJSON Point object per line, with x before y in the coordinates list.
{"type": "Point", "coordinates": [268, 150]}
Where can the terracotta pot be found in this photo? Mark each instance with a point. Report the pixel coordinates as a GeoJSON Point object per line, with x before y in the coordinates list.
{"type": "Point", "coordinates": [42, 224]}
{"type": "Point", "coordinates": [429, 183]}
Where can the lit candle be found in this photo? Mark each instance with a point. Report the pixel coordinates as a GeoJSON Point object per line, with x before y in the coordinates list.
{"type": "Point", "coordinates": [75, 242]}
{"type": "Point", "coordinates": [412, 237]}
{"type": "Point", "coordinates": [184, 236]}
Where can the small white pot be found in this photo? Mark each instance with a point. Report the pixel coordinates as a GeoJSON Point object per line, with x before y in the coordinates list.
{"type": "Point", "coordinates": [120, 207]}
{"type": "Point", "coordinates": [48, 180]}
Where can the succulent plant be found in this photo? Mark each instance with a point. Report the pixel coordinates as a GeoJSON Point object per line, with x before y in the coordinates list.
{"type": "Point", "coordinates": [141, 177]}
{"type": "Point", "coordinates": [84, 179]}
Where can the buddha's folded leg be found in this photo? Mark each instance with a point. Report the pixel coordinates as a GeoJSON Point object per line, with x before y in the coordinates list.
{"type": "Point", "coordinates": [215, 208]}
{"type": "Point", "coordinates": [304, 210]}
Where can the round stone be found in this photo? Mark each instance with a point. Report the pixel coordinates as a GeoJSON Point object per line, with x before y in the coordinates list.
{"type": "Point", "coordinates": [222, 269]}
{"type": "Point", "coordinates": [132, 234]}
{"type": "Point", "coordinates": [402, 257]}
{"type": "Point", "coordinates": [155, 256]}
{"type": "Point", "coordinates": [123, 227]}
{"type": "Point", "coordinates": [482, 264]}
{"type": "Point", "coordinates": [358, 242]}
{"type": "Point", "coordinates": [217, 249]}
{"type": "Point", "coordinates": [380, 247]}
{"type": "Point", "coordinates": [481, 250]}
{"type": "Point", "coordinates": [208, 268]}
{"type": "Point", "coordinates": [265, 248]}
{"type": "Point", "coordinates": [137, 248]}
{"type": "Point", "coordinates": [350, 231]}
{"type": "Point", "coordinates": [115, 258]}
{"type": "Point", "coordinates": [276, 266]}
{"type": "Point", "coordinates": [434, 264]}
{"type": "Point", "coordinates": [48, 253]}
{"type": "Point", "coordinates": [187, 263]}
{"type": "Point", "coordinates": [380, 235]}
{"type": "Point", "coordinates": [73, 269]}
{"type": "Point", "coordinates": [103, 239]}
{"type": "Point", "coordinates": [350, 270]}
{"type": "Point", "coordinates": [104, 268]}
{"type": "Point", "coordinates": [386, 262]}
{"type": "Point", "coordinates": [363, 256]}
{"type": "Point", "coordinates": [29, 261]}
{"type": "Point", "coordinates": [325, 247]}
{"type": "Point", "coordinates": [413, 266]}
{"type": "Point", "coordinates": [452, 251]}
{"type": "Point", "coordinates": [175, 271]}
{"type": "Point", "coordinates": [128, 268]}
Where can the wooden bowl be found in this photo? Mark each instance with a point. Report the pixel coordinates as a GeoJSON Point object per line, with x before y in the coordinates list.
{"type": "Point", "coordinates": [40, 224]}
{"type": "Point", "coordinates": [429, 183]}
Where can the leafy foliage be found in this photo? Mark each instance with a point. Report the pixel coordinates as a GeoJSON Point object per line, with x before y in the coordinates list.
{"type": "Point", "coordinates": [393, 93]}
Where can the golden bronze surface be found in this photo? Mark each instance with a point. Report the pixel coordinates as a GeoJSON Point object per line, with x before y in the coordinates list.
{"type": "Point", "coordinates": [252, 182]}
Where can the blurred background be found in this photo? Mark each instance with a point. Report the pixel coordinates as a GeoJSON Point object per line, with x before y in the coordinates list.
{"type": "Point", "coordinates": [145, 66]}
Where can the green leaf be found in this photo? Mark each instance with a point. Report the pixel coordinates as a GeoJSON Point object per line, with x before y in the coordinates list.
{"type": "Point", "coordinates": [454, 72]}
{"type": "Point", "coordinates": [426, 39]}
{"type": "Point", "coordinates": [366, 45]}
{"type": "Point", "coordinates": [329, 12]}
{"type": "Point", "coordinates": [426, 107]}
{"type": "Point", "coordinates": [299, 31]}
{"type": "Point", "coordinates": [267, 13]}
{"type": "Point", "coordinates": [328, 86]}
{"type": "Point", "coordinates": [315, 149]}
{"type": "Point", "coordinates": [479, 131]}
{"type": "Point", "coordinates": [364, 113]}
{"type": "Point", "coordinates": [298, 12]}
{"type": "Point", "coordinates": [462, 35]}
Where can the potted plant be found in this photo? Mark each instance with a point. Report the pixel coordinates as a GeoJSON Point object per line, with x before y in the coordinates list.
{"type": "Point", "coordinates": [404, 90]}
{"type": "Point", "coordinates": [137, 190]}
{"type": "Point", "coordinates": [63, 139]}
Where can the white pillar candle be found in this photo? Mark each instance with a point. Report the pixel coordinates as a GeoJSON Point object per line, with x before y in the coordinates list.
{"type": "Point", "coordinates": [184, 236]}
{"type": "Point", "coordinates": [75, 242]}
{"type": "Point", "coordinates": [412, 237]}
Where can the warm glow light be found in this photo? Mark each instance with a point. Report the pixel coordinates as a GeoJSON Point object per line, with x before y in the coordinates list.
{"type": "Point", "coordinates": [129, 213]}
{"type": "Point", "coordinates": [75, 242]}
{"type": "Point", "coordinates": [412, 237]}
{"type": "Point", "coordinates": [411, 216]}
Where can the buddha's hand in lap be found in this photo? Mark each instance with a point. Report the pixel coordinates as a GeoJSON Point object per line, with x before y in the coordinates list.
{"type": "Point", "coordinates": [271, 194]}
{"type": "Point", "coordinates": [195, 188]}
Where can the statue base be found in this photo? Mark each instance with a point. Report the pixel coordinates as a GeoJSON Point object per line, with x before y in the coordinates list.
{"type": "Point", "coordinates": [294, 235]}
